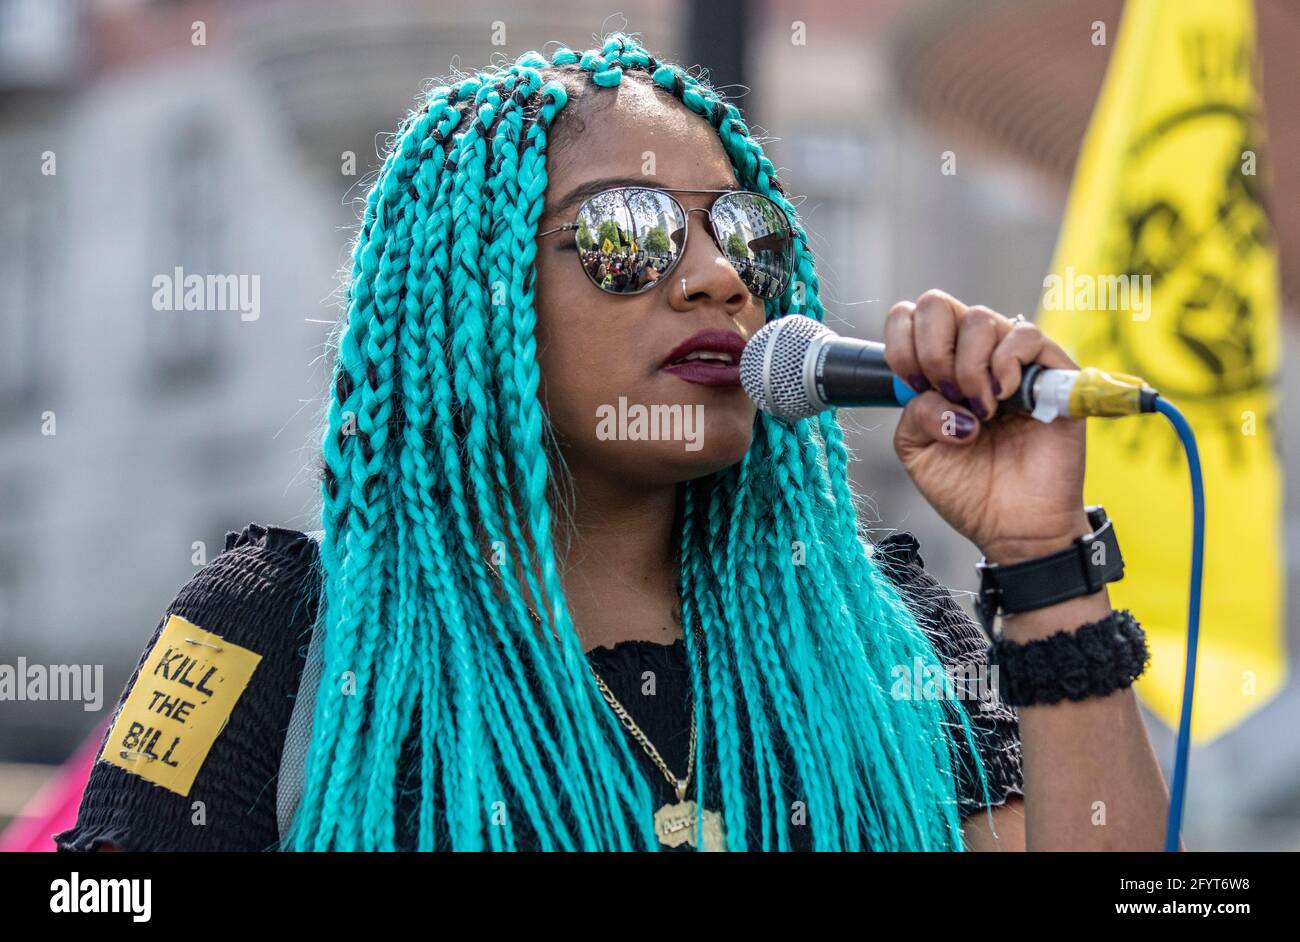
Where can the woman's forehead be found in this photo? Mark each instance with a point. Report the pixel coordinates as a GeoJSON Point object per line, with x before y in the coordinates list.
{"type": "Point", "coordinates": [651, 140]}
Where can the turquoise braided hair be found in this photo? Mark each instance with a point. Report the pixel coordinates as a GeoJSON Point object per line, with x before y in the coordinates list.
{"type": "Point", "coordinates": [439, 495]}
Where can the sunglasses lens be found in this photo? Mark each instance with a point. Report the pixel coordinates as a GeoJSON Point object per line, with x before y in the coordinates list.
{"type": "Point", "coordinates": [628, 238]}
{"type": "Point", "coordinates": [755, 235]}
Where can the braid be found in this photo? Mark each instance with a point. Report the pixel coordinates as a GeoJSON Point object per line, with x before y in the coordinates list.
{"type": "Point", "coordinates": [393, 698]}
{"type": "Point", "coordinates": [719, 671]}
{"type": "Point", "coordinates": [435, 460]}
{"type": "Point", "coordinates": [749, 656]}
{"type": "Point", "coordinates": [621, 780]}
{"type": "Point", "coordinates": [364, 389]}
{"type": "Point", "coordinates": [422, 537]}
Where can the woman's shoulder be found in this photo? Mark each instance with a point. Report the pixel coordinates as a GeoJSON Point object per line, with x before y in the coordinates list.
{"type": "Point", "coordinates": [245, 620]}
{"type": "Point", "coordinates": [265, 578]}
{"type": "Point", "coordinates": [962, 646]}
{"type": "Point", "coordinates": [262, 588]}
{"type": "Point", "coordinates": [258, 541]}
{"type": "Point", "coordinates": [896, 551]}
{"type": "Point", "coordinates": [957, 637]}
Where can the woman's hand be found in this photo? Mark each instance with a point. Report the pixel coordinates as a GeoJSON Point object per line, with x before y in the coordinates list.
{"type": "Point", "coordinates": [1011, 485]}
{"type": "Point", "coordinates": [1014, 487]}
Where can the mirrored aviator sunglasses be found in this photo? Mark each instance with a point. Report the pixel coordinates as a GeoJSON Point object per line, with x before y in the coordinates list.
{"type": "Point", "coordinates": [628, 238]}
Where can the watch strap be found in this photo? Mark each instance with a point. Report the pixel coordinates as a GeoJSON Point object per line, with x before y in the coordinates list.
{"type": "Point", "coordinates": [1081, 568]}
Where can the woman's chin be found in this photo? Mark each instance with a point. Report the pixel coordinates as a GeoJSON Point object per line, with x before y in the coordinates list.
{"type": "Point", "coordinates": [715, 453]}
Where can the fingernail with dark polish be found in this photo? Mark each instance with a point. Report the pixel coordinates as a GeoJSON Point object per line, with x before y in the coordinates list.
{"type": "Point", "coordinates": [993, 382]}
{"type": "Point", "coordinates": [978, 408]}
{"type": "Point", "coordinates": [949, 391]}
{"type": "Point", "coordinates": [918, 382]}
{"type": "Point", "coordinates": [963, 424]}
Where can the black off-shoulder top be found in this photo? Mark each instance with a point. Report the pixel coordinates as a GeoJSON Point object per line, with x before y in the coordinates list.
{"type": "Point", "coordinates": [260, 593]}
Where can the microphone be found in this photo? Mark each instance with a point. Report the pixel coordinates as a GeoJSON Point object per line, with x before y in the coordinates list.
{"type": "Point", "coordinates": [796, 367]}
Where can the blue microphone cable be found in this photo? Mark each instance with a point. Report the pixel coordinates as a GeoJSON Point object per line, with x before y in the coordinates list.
{"type": "Point", "coordinates": [1178, 787]}
{"type": "Point", "coordinates": [1095, 392]}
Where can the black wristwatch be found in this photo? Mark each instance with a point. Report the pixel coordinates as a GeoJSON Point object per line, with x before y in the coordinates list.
{"type": "Point", "coordinates": [1081, 568]}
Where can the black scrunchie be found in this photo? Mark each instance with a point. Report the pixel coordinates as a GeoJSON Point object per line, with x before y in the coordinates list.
{"type": "Point", "coordinates": [1092, 661]}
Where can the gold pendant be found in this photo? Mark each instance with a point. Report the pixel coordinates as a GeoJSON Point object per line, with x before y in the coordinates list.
{"type": "Point", "coordinates": [675, 825]}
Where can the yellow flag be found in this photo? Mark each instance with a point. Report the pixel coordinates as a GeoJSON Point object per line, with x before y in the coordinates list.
{"type": "Point", "coordinates": [606, 247]}
{"type": "Point", "coordinates": [1166, 268]}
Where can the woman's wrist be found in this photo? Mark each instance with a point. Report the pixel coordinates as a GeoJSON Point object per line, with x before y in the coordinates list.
{"type": "Point", "coordinates": [1006, 551]}
{"type": "Point", "coordinates": [1065, 616]}
{"type": "Point", "coordinates": [1060, 616]}
{"type": "Point", "coordinates": [1093, 660]}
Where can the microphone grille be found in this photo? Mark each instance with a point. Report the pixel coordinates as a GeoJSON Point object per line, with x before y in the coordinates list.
{"type": "Point", "coordinates": [772, 366]}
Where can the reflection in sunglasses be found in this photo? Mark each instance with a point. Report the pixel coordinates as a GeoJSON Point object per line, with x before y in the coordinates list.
{"type": "Point", "coordinates": [630, 237]}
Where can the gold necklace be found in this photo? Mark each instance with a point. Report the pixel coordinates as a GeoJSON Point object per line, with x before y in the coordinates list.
{"type": "Point", "coordinates": [674, 824]}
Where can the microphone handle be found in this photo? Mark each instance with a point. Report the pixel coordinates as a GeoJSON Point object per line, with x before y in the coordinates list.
{"type": "Point", "coordinates": [853, 373]}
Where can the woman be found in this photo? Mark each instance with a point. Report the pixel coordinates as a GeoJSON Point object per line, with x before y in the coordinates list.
{"type": "Point", "coordinates": [538, 628]}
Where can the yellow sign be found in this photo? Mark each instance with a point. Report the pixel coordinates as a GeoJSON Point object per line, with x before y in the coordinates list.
{"type": "Point", "coordinates": [1166, 269]}
{"type": "Point", "coordinates": [179, 704]}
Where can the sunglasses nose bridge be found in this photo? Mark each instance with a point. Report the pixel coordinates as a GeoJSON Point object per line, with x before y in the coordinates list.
{"type": "Point", "coordinates": [708, 220]}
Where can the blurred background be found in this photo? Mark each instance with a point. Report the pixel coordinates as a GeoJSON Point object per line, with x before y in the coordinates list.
{"type": "Point", "coordinates": [128, 148]}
